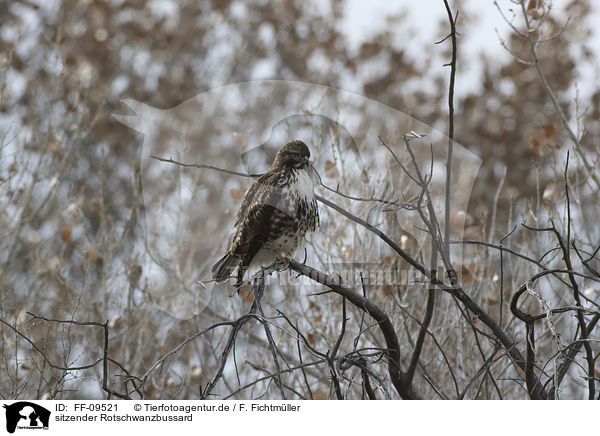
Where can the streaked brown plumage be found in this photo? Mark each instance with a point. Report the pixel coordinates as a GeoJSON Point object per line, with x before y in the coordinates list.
{"type": "Point", "coordinates": [277, 212]}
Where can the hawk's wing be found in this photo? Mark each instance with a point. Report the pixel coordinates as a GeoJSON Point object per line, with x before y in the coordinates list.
{"type": "Point", "coordinates": [243, 211]}
{"type": "Point", "coordinates": [258, 212]}
{"type": "Point", "coordinates": [258, 187]}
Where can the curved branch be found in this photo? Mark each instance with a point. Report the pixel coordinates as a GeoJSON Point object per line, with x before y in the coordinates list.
{"type": "Point", "coordinates": [398, 378]}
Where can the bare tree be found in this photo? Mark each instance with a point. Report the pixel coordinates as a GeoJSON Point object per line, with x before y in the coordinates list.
{"type": "Point", "coordinates": [497, 298]}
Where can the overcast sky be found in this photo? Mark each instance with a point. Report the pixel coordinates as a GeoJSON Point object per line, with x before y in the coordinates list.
{"type": "Point", "coordinates": [364, 18]}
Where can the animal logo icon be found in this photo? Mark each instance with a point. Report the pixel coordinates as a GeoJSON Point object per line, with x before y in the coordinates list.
{"type": "Point", "coordinates": [24, 414]}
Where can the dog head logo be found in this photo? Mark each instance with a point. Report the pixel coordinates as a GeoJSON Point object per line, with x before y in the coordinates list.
{"type": "Point", "coordinates": [26, 415]}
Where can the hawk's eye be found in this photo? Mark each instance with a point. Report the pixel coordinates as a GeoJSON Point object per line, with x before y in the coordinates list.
{"type": "Point", "coordinates": [295, 156]}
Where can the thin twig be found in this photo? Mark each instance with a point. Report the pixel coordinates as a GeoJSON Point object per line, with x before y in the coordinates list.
{"type": "Point", "coordinates": [447, 205]}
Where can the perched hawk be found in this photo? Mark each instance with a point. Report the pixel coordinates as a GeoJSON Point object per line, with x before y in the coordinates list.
{"type": "Point", "coordinates": [277, 211]}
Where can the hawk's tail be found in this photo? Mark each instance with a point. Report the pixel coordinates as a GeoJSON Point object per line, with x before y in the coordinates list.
{"type": "Point", "coordinates": [224, 267]}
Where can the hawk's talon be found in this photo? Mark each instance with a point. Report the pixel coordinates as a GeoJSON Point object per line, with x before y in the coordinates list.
{"type": "Point", "coordinates": [285, 261]}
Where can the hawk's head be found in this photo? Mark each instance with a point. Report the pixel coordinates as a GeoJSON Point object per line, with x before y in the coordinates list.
{"type": "Point", "coordinates": [294, 154]}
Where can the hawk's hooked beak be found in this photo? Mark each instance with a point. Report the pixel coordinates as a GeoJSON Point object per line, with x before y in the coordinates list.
{"type": "Point", "coordinates": [305, 162]}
